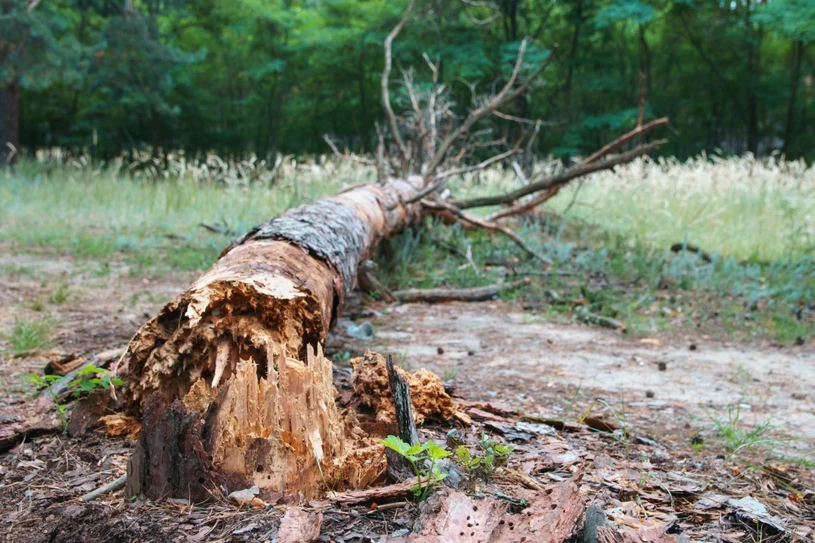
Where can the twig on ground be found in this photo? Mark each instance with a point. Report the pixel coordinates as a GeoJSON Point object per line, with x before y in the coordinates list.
{"type": "Point", "coordinates": [477, 294]}
{"type": "Point", "coordinates": [112, 486]}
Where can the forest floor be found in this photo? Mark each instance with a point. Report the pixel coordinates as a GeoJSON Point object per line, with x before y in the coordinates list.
{"type": "Point", "coordinates": [699, 418]}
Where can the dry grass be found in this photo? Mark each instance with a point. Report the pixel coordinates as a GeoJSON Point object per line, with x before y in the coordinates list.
{"type": "Point", "coordinates": [738, 207]}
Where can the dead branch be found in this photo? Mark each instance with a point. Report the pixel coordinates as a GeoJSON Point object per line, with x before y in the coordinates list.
{"type": "Point", "coordinates": [625, 138]}
{"type": "Point", "coordinates": [487, 225]}
{"type": "Point", "coordinates": [113, 486]}
{"type": "Point", "coordinates": [550, 192]}
{"type": "Point", "coordinates": [437, 295]}
{"type": "Point", "coordinates": [505, 95]}
{"type": "Point", "coordinates": [386, 72]}
{"type": "Point", "coordinates": [557, 180]}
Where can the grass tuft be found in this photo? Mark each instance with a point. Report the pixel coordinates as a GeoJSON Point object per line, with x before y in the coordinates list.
{"type": "Point", "coordinates": [29, 336]}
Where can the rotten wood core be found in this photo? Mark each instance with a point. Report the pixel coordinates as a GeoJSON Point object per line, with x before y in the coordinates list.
{"type": "Point", "coordinates": [230, 375]}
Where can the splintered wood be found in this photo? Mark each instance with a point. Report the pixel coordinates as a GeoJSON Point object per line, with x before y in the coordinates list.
{"type": "Point", "coordinates": [230, 378]}
{"type": "Point", "coordinates": [430, 400]}
{"type": "Point", "coordinates": [276, 429]}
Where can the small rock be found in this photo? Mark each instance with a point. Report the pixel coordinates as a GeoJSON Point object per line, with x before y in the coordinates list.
{"type": "Point", "coordinates": [662, 366]}
{"type": "Point", "coordinates": [692, 347]}
{"type": "Point", "coordinates": [649, 393]}
{"type": "Point", "coordinates": [363, 331]}
{"type": "Point", "coordinates": [440, 350]}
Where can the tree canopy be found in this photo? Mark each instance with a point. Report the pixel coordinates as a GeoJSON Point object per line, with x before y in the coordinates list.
{"type": "Point", "coordinates": [265, 76]}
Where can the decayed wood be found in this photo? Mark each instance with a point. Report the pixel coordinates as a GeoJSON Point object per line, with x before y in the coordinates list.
{"type": "Point", "coordinates": [377, 494]}
{"type": "Point", "coordinates": [435, 295]}
{"type": "Point", "coordinates": [399, 468]}
{"type": "Point", "coordinates": [231, 372]}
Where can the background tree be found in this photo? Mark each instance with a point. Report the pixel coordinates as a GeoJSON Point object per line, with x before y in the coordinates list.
{"type": "Point", "coordinates": [266, 77]}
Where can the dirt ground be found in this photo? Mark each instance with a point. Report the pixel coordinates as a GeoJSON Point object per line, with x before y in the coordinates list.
{"type": "Point", "coordinates": [666, 388]}
{"type": "Point", "coordinates": [494, 351]}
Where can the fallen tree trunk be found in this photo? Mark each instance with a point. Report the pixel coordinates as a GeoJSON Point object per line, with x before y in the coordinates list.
{"type": "Point", "coordinates": [230, 377]}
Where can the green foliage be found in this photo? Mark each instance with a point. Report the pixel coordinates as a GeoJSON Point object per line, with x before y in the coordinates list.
{"type": "Point", "coordinates": [246, 76]}
{"type": "Point", "coordinates": [89, 379]}
{"type": "Point", "coordinates": [60, 294]}
{"type": "Point", "coordinates": [424, 458]}
{"type": "Point", "coordinates": [482, 464]}
{"type": "Point", "coordinates": [92, 378]}
{"type": "Point", "coordinates": [29, 336]}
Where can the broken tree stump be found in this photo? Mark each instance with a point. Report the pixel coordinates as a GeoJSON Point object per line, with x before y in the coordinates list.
{"type": "Point", "coordinates": [230, 374]}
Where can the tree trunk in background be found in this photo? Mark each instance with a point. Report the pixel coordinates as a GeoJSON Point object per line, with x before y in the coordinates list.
{"type": "Point", "coordinates": [753, 73]}
{"type": "Point", "coordinates": [230, 375]}
{"type": "Point", "coordinates": [9, 122]}
{"type": "Point", "coordinates": [567, 85]}
{"type": "Point", "coordinates": [795, 79]}
{"type": "Point", "coordinates": [645, 62]}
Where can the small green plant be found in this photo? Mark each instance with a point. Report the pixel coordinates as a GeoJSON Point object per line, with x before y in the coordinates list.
{"type": "Point", "coordinates": [28, 336]}
{"type": "Point", "coordinates": [424, 458]}
{"type": "Point", "coordinates": [36, 304]}
{"type": "Point", "coordinates": [736, 436]}
{"type": "Point", "coordinates": [740, 375]}
{"type": "Point", "coordinates": [60, 295]}
{"type": "Point", "coordinates": [87, 380]}
{"type": "Point", "coordinates": [92, 378]}
{"type": "Point", "coordinates": [484, 463]}
{"type": "Point", "coordinates": [45, 381]}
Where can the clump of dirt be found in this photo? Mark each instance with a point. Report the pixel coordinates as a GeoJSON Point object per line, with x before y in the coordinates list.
{"type": "Point", "coordinates": [430, 401]}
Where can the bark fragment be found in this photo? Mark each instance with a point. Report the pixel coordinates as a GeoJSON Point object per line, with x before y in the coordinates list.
{"type": "Point", "coordinates": [298, 526]}
{"type": "Point", "coordinates": [551, 517]}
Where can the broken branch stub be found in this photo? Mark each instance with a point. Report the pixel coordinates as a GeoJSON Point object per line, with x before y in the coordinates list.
{"type": "Point", "coordinates": [237, 357]}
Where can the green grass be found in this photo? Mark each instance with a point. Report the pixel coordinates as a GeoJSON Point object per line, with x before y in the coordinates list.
{"type": "Point", "coordinates": [60, 295]}
{"type": "Point", "coordinates": [101, 212]}
{"type": "Point", "coordinates": [29, 336]}
{"type": "Point", "coordinates": [736, 435]}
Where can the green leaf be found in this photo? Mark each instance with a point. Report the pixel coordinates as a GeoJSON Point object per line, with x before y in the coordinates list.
{"type": "Point", "coordinates": [396, 444]}
{"type": "Point", "coordinates": [463, 455]}
{"type": "Point", "coordinates": [415, 449]}
{"type": "Point", "coordinates": [435, 451]}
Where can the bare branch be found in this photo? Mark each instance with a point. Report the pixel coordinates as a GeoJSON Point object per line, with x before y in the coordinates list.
{"type": "Point", "coordinates": [503, 96]}
{"type": "Point", "coordinates": [487, 225]}
{"type": "Point", "coordinates": [481, 165]}
{"type": "Point", "coordinates": [557, 180]}
{"type": "Point", "coordinates": [520, 173]}
{"type": "Point", "coordinates": [625, 138]}
{"type": "Point", "coordinates": [386, 72]}
{"type": "Point", "coordinates": [551, 191]}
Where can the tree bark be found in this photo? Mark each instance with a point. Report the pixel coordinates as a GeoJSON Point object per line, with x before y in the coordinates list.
{"type": "Point", "coordinates": [230, 374]}
{"type": "Point", "coordinates": [795, 79]}
{"type": "Point", "coordinates": [9, 122]}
